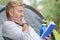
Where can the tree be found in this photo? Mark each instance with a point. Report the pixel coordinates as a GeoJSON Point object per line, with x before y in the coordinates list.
{"type": "Point", "coordinates": [4, 2]}
{"type": "Point", "coordinates": [51, 11]}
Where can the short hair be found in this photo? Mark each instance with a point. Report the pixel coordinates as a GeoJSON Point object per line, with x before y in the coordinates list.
{"type": "Point", "coordinates": [11, 5]}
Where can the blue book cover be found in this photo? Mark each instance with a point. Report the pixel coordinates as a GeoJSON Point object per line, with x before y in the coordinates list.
{"type": "Point", "coordinates": [49, 29]}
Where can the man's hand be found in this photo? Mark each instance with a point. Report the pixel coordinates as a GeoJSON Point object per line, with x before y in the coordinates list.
{"type": "Point", "coordinates": [24, 24]}
{"type": "Point", "coordinates": [47, 38]}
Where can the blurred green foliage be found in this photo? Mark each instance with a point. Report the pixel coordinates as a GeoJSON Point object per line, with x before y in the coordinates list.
{"type": "Point", "coordinates": [3, 2]}
{"type": "Point", "coordinates": [51, 11]}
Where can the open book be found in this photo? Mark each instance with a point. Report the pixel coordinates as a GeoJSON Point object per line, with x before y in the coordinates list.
{"type": "Point", "coordinates": [49, 29]}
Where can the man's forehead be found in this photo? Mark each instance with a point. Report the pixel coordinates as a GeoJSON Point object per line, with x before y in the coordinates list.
{"type": "Point", "coordinates": [19, 7]}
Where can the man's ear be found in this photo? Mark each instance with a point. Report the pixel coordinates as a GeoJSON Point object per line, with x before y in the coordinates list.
{"type": "Point", "coordinates": [11, 12]}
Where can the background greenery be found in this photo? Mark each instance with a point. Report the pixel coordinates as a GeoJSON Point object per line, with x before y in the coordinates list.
{"type": "Point", "coordinates": [3, 2]}
{"type": "Point", "coordinates": [51, 11]}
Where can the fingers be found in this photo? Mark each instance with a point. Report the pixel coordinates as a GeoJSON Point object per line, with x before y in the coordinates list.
{"type": "Point", "coordinates": [47, 38]}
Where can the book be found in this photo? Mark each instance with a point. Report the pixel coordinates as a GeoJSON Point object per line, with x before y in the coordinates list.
{"type": "Point", "coordinates": [49, 29]}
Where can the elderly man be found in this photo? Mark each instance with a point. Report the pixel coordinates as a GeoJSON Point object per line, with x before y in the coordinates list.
{"type": "Point", "coordinates": [16, 28]}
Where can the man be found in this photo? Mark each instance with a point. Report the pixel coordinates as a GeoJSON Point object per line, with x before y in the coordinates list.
{"type": "Point", "coordinates": [16, 27]}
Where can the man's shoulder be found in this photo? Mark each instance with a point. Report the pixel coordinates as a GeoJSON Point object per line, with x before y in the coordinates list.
{"type": "Point", "coordinates": [8, 23]}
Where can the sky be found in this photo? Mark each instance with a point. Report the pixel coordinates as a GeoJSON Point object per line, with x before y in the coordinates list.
{"type": "Point", "coordinates": [26, 2]}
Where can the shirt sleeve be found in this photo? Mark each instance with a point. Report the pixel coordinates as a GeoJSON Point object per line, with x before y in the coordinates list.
{"type": "Point", "coordinates": [11, 30]}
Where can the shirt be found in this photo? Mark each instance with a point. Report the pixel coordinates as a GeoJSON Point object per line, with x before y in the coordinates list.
{"type": "Point", "coordinates": [14, 31]}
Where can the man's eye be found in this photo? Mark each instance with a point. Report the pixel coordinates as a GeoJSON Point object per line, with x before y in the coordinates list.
{"type": "Point", "coordinates": [20, 11]}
